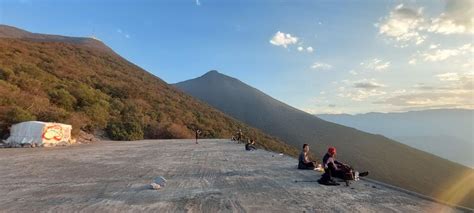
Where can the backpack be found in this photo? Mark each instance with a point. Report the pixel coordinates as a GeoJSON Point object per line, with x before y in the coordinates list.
{"type": "Point", "coordinates": [348, 173]}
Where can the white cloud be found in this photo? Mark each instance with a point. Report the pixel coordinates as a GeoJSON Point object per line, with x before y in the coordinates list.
{"type": "Point", "coordinates": [434, 46]}
{"type": "Point", "coordinates": [454, 90]}
{"type": "Point", "coordinates": [409, 26]}
{"type": "Point", "coordinates": [353, 72]}
{"type": "Point", "coordinates": [282, 39]}
{"type": "Point", "coordinates": [458, 18]}
{"type": "Point", "coordinates": [412, 61]}
{"type": "Point", "coordinates": [403, 25]}
{"type": "Point", "coordinates": [308, 49]}
{"type": "Point", "coordinates": [443, 54]}
{"type": "Point", "coordinates": [321, 66]}
{"type": "Point", "coordinates": [198, 3]}
{"type": "Point", "coordinates": [450, 76]}
{"type": "Point", "coordinates": [376, 64]}
{"type": "Point", "coordinates": [440, 55]}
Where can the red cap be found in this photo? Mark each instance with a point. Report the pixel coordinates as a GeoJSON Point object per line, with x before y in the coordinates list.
{"type": "Point", "coordinates": [332, 150]}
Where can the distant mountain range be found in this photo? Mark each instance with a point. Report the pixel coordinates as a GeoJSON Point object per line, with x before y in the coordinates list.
{"type": "Point", "coordinates": [387, 160]}
{"type": "Point", "coordinates": [81, 81]}
{"type": "Point", "coordinates": [444, 132]}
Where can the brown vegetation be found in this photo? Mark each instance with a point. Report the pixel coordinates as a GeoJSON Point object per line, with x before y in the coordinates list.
{"type": "Point", "coordinates": [95, 89]}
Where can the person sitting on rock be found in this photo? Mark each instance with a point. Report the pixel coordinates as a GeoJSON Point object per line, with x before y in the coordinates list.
{"type": "Point", "coordinates": [250, 145]}
{"type": "Point", "coordinates": [303, 159]}
{"type": "Point", "coordinates": [334, 168]}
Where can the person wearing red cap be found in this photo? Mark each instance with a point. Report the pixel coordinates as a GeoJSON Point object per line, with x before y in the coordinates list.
{"type": "Point", "coordinates": [334, 168]}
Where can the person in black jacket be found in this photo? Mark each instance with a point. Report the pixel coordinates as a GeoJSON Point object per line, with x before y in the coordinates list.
{"type": "Point", "coordinates": [303, 159]}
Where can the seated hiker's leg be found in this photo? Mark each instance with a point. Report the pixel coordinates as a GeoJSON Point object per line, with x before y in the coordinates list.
{"type": "Point", "coordinates": [305, 166]}
{"type": "Point", "coordinates": [309, 165]}
{"type": "Point", "coordinates": [338, 174]}
{"type": "Point", "coordinates": [327, 174]}
{"type": "Point", "coordinates": [326, 178]}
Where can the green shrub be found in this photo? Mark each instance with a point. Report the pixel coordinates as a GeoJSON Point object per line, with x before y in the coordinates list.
{"type": "Point", "coordinates": [17, 115]}
{"type": "Point", "coordinates": [128, 130]}
{"type": "Point", "coordinates": [5, 74]}
{"type": "Point", "coordinates": [62, 98]}
{"type": "Point", "coordinates": [85, 95]}
{"type": "Point", "coordinates": [99, 114]}
{"type": "Point", "coordinates": [53, 114]}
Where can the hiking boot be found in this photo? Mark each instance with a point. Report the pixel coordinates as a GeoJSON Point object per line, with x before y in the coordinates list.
{"type": "Point", "coordinates": [363, 174]}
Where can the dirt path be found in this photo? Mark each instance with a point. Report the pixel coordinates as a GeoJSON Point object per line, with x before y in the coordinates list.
{"type": "Point", "coordinates": [216, 175]}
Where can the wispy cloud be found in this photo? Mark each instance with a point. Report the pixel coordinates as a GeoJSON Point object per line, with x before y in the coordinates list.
{"type": "Point", "coordinates": [436, 54]}
{"type": "Point", "coordinates": [376, 64]}
{"type": "Point", "coordinates": [321, 66]}
{"type": "Point", "coordinates": [361, 94]}
{"type": "Point", "coordinates": [453, 90]}
{"type": "Point", "coordinates": [443, 54]}
{"type": "Point", "coordinates": [198, 3]}
{"type": "Point", "coordinates": [360, 90]}
{"type": "Point", "coordinates": [367, 84]}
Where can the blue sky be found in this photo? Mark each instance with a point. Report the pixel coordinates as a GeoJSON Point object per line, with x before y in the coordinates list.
{"type": "Point", "coordinates": [319, 56]}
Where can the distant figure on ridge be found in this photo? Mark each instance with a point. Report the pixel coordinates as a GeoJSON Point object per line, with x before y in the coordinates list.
{"type": "Point", "coordinates": [334, 168]}
{"type": "Point", "coordinates": [303, 160]}
{"type": "Point", "coordinates": [250, 145]}
{"type": "Point", "coordinates": [239, 135]}
{"type": "Point", "coordinates": [198, 132]}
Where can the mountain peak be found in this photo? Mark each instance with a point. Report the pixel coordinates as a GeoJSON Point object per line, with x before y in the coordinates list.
{"type": "Point", "coordinates": [212, 72]}
{"type": "Point", "coordinates": [214, 75]}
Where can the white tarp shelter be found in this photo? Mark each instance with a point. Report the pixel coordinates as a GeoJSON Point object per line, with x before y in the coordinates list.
{"type": "Point", "coordinates": [39, 133]}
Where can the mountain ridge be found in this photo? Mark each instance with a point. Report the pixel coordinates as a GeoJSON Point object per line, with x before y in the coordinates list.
{"type": "Point", "coordinates": [11, 32]}
{"type": "Point", "coordinates": [295, 127]}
